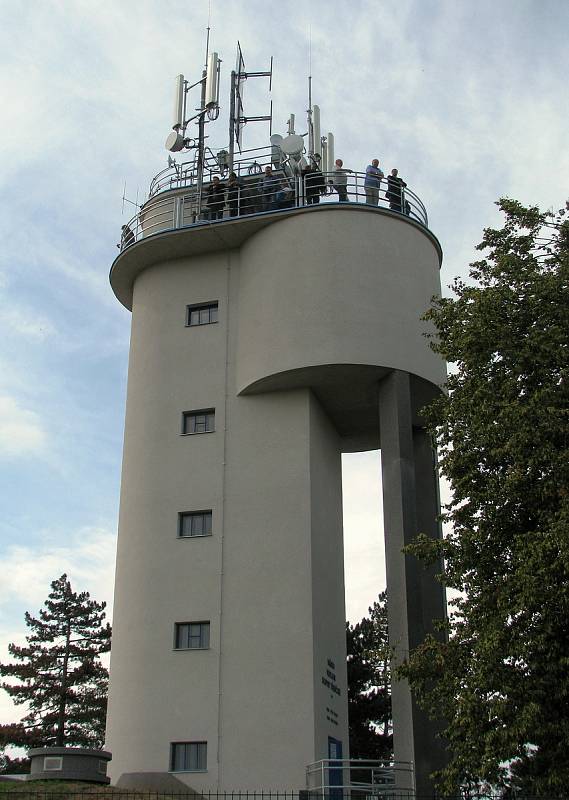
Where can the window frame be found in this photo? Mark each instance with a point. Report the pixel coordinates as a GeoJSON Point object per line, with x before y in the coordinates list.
{"type": "Point", "coordinates": [52, 763]}
{"type": "Point", "coordinates": [200, 412]}
{"type": "Point", "coordinates": [204, 624]}
{"type": "Point", "coordinates": [206, 512]}
{"type": "Point", "coordinates": [209, 306]}
{"type": "Point", "coordinates": [201, 752]}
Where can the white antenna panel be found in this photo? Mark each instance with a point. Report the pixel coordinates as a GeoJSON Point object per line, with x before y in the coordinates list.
{"type": "Point", "coordinates": [291, 125]}
{"type": "Point", "coordinates": [212, 81]}
{"type": "Point", "coordinates": [178, 120]}
{"type": "Point", "coordinates": [316, 123]}
{"type": "Point", "coordinates": [331, 159]}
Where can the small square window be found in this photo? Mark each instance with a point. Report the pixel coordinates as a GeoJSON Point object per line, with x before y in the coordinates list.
{"type": "Point", "coordinates": [203, 314]}
{"type": "Point", "coordinates": [198, 421]}
{"type": "Point", "coordinates": [188, 756]}
{"type": "Point", "coordinates": [194, 523]}
{"type": "Point", "coordinates": [191, 635]}
{"type": "Point", "coordinates": [52, 763]}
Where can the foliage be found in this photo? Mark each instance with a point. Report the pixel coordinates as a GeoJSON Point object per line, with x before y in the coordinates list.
{"type": "Point", "coordinates": [501, 681]}
{"type": "Point", "coordinates": [13, 766]}
{"type": "Point", "coordinates": [59, 675]}
{"type": "Point", "coordinates": [369, 686]}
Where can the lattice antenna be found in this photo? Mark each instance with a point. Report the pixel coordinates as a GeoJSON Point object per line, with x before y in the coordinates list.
{"type": "Point", "coordinates": [237, 117]}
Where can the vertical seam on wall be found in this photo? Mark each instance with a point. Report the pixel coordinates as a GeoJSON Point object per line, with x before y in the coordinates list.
{"type": "Point", "coordinates": [222, 530]}
{"type": "Point", "coordinates": [315, 688]}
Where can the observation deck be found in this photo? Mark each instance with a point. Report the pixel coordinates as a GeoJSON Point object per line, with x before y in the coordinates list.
{"type": "Point", "coordinates": [177, 221]}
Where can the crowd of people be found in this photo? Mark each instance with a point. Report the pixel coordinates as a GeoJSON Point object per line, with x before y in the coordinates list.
{"type": "Point", "coordinates": [271, 192]}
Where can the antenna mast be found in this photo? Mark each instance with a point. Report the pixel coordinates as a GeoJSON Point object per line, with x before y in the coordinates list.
{"type": "Point", "coordinates": [209, 107]}
{"type": "Point", "coordinates": [309, 111]}
{"type": "Point", "coordinates": [201, 127]}
{"type": "Point", "coordinates": [309, 116]}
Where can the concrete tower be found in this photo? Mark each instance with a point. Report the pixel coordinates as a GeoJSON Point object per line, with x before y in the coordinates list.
{"type": "Point", "coordinates": [263, 346]}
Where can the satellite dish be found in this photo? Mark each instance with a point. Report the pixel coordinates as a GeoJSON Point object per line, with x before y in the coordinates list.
{"type": "Point", "coordinates": [292, 145]}
{"type": "Point", "coordinates": [174, 142]}
{"type": "Point", "coordinates": [276, 139]}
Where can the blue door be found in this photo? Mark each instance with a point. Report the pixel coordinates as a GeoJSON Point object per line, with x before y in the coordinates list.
{"type": "Point", "coordinates": [335, 772]}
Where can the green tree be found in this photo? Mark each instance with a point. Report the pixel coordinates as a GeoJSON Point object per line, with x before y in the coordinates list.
{"type": "Point", "coordinates": [369, 684]}
{"type": "Point", "coordinates": [59, 674]}
{"type": "Point", "coordinates": [13, 766]}
{"type": "Point", "coordinates": [501, 681]}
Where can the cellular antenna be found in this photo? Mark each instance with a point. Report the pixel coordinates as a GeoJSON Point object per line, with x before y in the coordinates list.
{"type": "Point", "coordinates": [212, 85]}
{"type": "Point", "coordinates": [179, 103]}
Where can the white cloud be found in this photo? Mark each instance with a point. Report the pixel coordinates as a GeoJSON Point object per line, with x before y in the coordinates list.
{"type": "Point", "coordinates": [88, 560]}
{"type": "Point", "coordinates": [26, 322]}
{"type": "Point", "coordinates": [21, 433]}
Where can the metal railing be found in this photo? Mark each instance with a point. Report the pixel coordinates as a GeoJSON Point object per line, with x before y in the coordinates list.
{"type": "Point", "coordinates": [173, 206]}
{"type": "Point", "coordinates": [184, 175]}
{"type": "Point", "coordinates": [359, 778]}
{"type": "Point", "coordinates": [78, 791]}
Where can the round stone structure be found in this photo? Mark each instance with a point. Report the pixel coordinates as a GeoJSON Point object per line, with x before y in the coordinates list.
{"type": "Point", "coordinates": [228, 663]}
{"type": "Point", "coordinates": [69, 764]}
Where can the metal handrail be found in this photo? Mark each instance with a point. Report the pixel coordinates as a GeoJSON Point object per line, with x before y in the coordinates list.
{"type": "Point", "coordinates": [184, 175]}
{"type": "Point", "coordinates": [179, 206]}
{"type": "Point", "coordinates": [367, 777]}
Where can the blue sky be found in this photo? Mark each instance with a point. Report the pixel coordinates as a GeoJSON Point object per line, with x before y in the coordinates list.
{"type": "Point", "coordinates": [467, 99]}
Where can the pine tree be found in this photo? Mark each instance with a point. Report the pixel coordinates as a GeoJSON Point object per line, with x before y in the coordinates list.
{"type": "Point", "coordinates": [59, 674]}
{"type": "Point", "coordinates": [369, 684]}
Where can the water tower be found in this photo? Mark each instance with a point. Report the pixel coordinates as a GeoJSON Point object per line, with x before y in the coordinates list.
{"type": "Point", "coordinates": [264, 344]}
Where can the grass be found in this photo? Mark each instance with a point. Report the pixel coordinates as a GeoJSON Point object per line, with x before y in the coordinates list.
{"type": "Point", "coordinates": [67, 789]}
{"type": "Point", "coordinates": [77, 790]}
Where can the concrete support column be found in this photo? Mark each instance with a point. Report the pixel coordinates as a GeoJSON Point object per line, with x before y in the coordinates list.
{"type": "Point", "coordinates": [410, 505]}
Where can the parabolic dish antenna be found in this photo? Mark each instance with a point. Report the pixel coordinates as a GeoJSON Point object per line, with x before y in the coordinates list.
{"type": "Point", "coordinates": [292, 145]}
{"type": "Point", "coordinates": [174, 142]}
{"type": "Point", "coordinates": [276, 139]}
